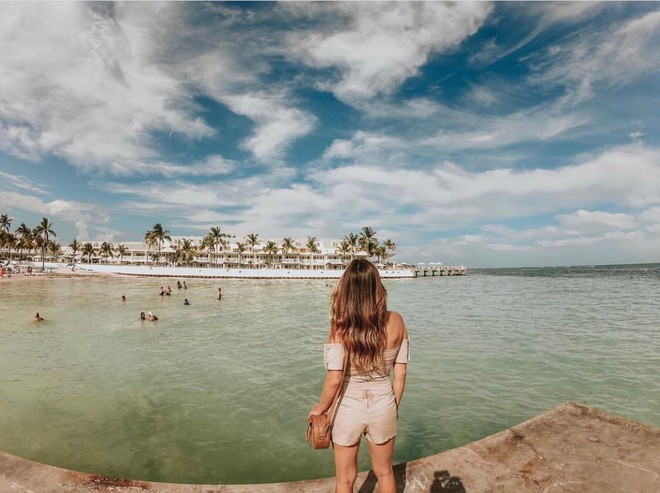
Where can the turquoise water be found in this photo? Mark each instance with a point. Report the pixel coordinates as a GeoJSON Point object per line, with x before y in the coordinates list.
{"type": "Point", "coordinates": [218, 391]}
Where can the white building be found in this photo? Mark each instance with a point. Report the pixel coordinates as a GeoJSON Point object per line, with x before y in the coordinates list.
{"type": "Point", "coordinates": [188, 251]}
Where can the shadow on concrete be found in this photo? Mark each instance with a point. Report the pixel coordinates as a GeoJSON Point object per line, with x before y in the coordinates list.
{"type": "Point", "coordinates": [444, 482]}
{"type": "Point", "coordinates": [370, 482]}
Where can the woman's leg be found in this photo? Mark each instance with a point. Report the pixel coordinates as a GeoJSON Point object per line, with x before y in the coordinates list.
{"type": "Point", "coordinates": [381, 462]}
{"type": "Point", "coordinates": [346, 466]}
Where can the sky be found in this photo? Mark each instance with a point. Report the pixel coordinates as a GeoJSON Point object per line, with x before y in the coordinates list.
{"type": "Point", "coordinates": [484, 134]}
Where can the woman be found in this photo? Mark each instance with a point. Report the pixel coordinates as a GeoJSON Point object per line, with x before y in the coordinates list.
{"type": "Point", "coordinates": [377, 341]}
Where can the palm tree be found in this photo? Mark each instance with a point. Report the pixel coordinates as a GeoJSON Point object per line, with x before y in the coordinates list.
{"type": "Point", "coordinates": [390, 248]}
{"type": "Point", "coordinates": [312, 246]}
{"type": "Point", "coordinates": [55, 249]}
{"type": "Point", "coordinates": [38, 242]}
{"type": "Point", "coordinates": [368, 240]}
{"type": "Point", "coordinates": [106, 251]}
{"type": "Point", "coordinates": [207, 244]}
{"type": "Point", "coordinates": [25, 231]}
{"type": "Point", "coordinates": [224, 243]}
{"type": "Point", "coordinates": [187, 251]}
{"type": "Point", "coordinates": [381, 253]}
{"type": "Point", "coordinates": [352, 239]}
{"type": "Point", "coordinates": [160, 235]}
{"type": "Point", "coordinates": [5, 223]}
{"type": "Point", "coordinates": [8, 240]}
{"type": "Point", "coordinates": [241, 247]}
{"type": "Point", "coordinates": [25, 241]}
{"type": "Point", "coordinates": [89, 250]}
{"type": "Point", "coordinates": [216, 237]}
{"type": "Point", "coordinates": [75, 248]}
{"type": "Point", "coordinates": [287, 246]}
{"type": "Point", "coordinates": [344, 249]}
{"type": "Point", "coordinates": [122, 250]}
{"type": "Point", "coordinates": [150, 241]}
{"type": "Point", "coordinates": [253, 240]}
{"type": "Point", "coordinates": [271, 249]}
{"type": "Point", "coordinates": [43, 230]}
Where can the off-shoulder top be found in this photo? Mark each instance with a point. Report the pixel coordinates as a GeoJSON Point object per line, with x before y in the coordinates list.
{"type": "Point", "coordinates": [333, 359]}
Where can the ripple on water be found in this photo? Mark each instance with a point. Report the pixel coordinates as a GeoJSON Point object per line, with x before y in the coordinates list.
{"type": "Point", "coordinates": [191, 397]}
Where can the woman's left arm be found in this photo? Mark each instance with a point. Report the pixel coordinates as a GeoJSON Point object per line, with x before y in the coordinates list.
{"type": "Point", "coordinates": [333, 379]}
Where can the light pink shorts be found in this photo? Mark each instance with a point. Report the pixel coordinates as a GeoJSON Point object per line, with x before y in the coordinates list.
{"type": "Point", "coordinates": [367, 408]}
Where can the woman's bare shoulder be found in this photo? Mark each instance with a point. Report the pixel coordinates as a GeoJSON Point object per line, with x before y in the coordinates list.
{"type": "Point", "coordinates": [396, 328]}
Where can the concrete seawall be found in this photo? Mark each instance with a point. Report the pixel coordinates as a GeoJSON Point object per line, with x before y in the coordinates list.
{"type": "Point", "coordinates": [571, 448]}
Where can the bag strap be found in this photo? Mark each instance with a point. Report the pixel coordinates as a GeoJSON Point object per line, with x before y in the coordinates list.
{"type": "Point", "coordinates": [333, 407]}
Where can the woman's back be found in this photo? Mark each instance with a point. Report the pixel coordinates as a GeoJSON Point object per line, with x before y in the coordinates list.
{"type": "Point", "coordinates": [396, 350]}
{"type": "Point", "coordinates": [376, 341]}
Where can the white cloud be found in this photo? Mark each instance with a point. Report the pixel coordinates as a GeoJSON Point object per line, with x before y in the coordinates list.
{"type": "Point", "coordinates": [93, 83]}
{"type": "Point", "coordinates": [610, 57]}
{"type": "Point", "coordinates": [383, 43]}
{"type": "Point", "coordinates": [413, 202]}
{"type": "Point", "coordinates": [547, 245]}
{"type": "Point", "coordinates": [367, 146]}
{"type": "Point", "coordinates": [538, 124]}
{"type": "Point", "coordinates": [79, 213]}
{"type": "Point", "coordinates": [211, 165]}
{"type": "Point", "coordinates": [9, 181]}
{"type": "Point", "coordinates": [555, 12]}
{"type": "Point", "coordinates": [84, 83]}
{"type": "Point", "coordinates": [175, 195]}
{"type": "Point", "coordinates": [596, 220]}
{"type": "Point", "coordinates": [456, 130]}
{"type": "Point", "coordinates": [449, 196]}
{"type": "Point", "coordinates": [483, 95]}
{"type": "Point", "coordinates": [277, 124]}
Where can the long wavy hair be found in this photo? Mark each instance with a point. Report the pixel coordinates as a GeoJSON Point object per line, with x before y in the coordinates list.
{"type": "Point", "coordinates": [359, 315]}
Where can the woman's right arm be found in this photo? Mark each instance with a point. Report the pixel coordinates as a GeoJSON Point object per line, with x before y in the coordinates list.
{"type": "Point", "coordinates": [399, 382]}
{"type": "Point", "coordinates": [401, 366]}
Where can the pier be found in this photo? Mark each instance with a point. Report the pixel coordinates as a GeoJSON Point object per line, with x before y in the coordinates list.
{"type": "Point", "coordinates": [569, 448]}
{"type": "Point", "coordinates": [439, 270]}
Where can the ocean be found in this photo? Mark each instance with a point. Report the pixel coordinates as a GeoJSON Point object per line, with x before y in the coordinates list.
{"type": "Point", "coordinates": [218, 391]}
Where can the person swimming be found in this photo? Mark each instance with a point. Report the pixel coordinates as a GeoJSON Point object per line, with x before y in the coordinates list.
{"type": "Point", "coordinates": [37, 318]}
{"type": "Point", "coordinates": [151, 316]}
{"type": "Point", "coordinates": [186, 302]}
{"type": "Point", "coordinates": [143, 316]}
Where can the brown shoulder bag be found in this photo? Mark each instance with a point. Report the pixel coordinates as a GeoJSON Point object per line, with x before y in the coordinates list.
{"type": "Point", "coordinates": [319, 427]}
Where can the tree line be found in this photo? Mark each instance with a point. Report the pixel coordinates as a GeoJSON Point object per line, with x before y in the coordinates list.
{"type": "Point", "coordinates": [41, 238]}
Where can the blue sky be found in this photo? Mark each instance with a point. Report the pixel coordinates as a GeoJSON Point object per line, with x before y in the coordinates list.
{"type": "Point", "coordinates": [487, 134]}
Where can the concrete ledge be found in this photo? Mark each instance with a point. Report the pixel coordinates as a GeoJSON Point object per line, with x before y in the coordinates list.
{"type": "Point", "coordinates": [571, 448]}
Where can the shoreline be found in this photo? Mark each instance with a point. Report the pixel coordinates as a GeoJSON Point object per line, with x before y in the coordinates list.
{"type": "Point", "coordinates": [58, 270]}
{"type": "Point", "coordinates": [61, 273]}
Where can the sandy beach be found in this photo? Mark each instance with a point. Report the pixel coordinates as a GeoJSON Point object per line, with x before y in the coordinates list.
{"type": "Point", "coordinates": [61, 272]}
